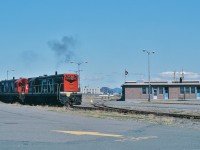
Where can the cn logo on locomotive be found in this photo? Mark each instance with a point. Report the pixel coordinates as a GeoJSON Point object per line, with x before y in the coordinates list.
{"type": "Point", "coordinates": [71, 78]}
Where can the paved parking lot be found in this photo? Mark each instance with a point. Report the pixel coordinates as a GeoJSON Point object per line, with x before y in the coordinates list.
{"type": "Point", "coordinates": [32, 127]}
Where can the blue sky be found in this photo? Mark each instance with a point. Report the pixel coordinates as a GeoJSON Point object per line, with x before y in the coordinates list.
{"type": "Point", "coordinates": [109, 34]}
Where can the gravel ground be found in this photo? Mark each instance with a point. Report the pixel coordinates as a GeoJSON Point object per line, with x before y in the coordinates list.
{"type": "Point", "coordinates": [178, 108]}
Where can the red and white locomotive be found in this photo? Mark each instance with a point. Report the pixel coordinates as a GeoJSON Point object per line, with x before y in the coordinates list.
{"type": "Point", "coordinates": [58, 89]}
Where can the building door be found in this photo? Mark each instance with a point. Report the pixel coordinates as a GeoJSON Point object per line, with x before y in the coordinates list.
{"type": "Point", "coordinates": [198, 92]}
{"type": "Point", "coordinates": [155, 93]}
{"type": "Point", "coordinates": [166, 93]}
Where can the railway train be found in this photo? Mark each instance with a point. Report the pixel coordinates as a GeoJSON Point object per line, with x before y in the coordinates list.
{"type": "Point", "coordinates": [57, 89]}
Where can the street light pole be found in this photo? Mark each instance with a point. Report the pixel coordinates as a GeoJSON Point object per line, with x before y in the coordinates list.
{"type": "Point", "coordinates": [149, 73]}
{"type": "Point", "coordinates": [7, 73]}
{"type": "Point", "coordinates": [79, 72]}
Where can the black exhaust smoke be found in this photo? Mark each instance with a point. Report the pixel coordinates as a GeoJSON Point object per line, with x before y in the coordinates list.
{"type": "Point", "coordinates": [63, 49]}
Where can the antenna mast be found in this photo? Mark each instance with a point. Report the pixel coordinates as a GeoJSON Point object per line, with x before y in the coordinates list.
{"type": "Point", "coordinates": [182, 73]}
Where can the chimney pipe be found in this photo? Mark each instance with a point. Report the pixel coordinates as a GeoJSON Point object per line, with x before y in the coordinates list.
{"type": "Point", "coordinates": [181, 79]}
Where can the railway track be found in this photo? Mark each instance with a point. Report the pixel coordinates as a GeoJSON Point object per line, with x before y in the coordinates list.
{"type": "Point", "coordinates": [102, 107]}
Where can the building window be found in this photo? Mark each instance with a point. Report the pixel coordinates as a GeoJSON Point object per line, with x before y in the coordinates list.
{"type": "Point", "coordinates": [182, 90]}
{"type": "Point", "coordinates": [144, 90]}
{"type": "Point", "coordinates": [160, 90]}
{"type": "Point", "coordinates": [187, 90]}
{"type": "Point", "coordinates": [192, 89]}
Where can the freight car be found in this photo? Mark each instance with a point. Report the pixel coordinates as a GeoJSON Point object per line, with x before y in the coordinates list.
{"type": "Point", "coordinates": [58, 89]}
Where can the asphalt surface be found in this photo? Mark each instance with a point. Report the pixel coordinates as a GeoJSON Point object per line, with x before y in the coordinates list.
{"type": "Point", "coordinates": [32, 127]}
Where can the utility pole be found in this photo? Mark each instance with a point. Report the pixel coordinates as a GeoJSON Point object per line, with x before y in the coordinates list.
{"type": "Point", "coordinates": [149, 74]}
{"type": "Point", "coordinates": [79, 72]}
{"type": "Point", "coordinates": [8, 72]}
{"type": "Point", "coordinates": [174, 75]}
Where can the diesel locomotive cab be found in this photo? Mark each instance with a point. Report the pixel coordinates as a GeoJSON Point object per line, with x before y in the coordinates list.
{"type": "Point", "coordinates": [69, 89]}
{"type": "Point", "coordinates": [63, 87]}
{"type": "Point", "coordinates": [21, 85]}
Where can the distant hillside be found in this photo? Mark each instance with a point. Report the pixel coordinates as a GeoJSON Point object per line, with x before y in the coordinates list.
{"type": "Point", "coordinates": [106, 90]}
{"type": "Point", "coordinates": [117, 90]}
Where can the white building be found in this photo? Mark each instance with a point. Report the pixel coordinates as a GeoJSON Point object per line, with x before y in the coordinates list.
{"type": "Point", "coordinates": [88, 90]}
